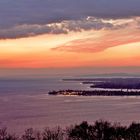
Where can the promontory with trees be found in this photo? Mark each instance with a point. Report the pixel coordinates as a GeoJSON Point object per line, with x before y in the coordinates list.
{"type": "Point", "coordinates": [95, 93]}
{"type": "Point", "coordinates": [104, 87]}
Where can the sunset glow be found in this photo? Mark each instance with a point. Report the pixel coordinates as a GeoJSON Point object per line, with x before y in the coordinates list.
{"type": "Point", "coordinates": [103, 47]}
{"type": "Point", "coordinates": [85, 38]}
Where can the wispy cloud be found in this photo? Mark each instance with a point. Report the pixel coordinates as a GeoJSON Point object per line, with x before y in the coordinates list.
{"type": "Point", "coordinates": [107, 40]}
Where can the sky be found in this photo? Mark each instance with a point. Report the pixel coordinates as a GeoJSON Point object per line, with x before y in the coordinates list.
{"type": "Point", "coordinates": [69, 33]}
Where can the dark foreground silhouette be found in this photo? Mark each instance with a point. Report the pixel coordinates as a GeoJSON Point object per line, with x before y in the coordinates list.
{"type": "Point", "coordinates": [100, 130]}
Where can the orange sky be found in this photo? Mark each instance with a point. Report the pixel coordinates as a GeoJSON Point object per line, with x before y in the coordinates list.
{"type": "Point", "coordinates": [104, 47]}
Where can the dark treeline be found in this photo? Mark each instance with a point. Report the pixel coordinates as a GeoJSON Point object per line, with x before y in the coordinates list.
{"type": "Point", "coordinates": [95, 93]}
{"type": "Point", "coordinates": [100, 130]}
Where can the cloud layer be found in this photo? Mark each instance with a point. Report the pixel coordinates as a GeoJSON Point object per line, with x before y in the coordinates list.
{"type": "Point", "coordinates": [32, 17]}
{"type": "Point", "coordinates": [63, 27]}
{"type": "Point", "coordinates": [66, 26]}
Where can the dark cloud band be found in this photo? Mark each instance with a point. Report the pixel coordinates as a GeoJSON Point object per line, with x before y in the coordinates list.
{"type": "Point", "coordinates": [15, 14]}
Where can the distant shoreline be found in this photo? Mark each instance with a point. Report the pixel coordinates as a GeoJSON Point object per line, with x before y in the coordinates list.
{"type": "Point", "coordinates": [110, 83]}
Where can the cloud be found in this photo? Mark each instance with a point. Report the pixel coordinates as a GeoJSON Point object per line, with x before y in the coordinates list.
{"type": "Point", "coordinates": [15, 14]}
{"type": "Point", "coordinates": [99, 44]}
{"type": "Point", "coordinates": [63, 27]}
{"type": "Point", "coordinates": [66, 26]}
{"type": "Point", "coordinates": [36, 11]}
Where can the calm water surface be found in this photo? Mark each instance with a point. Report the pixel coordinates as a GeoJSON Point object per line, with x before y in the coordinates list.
{"type": "Point", "coordinates": [25, 103]}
